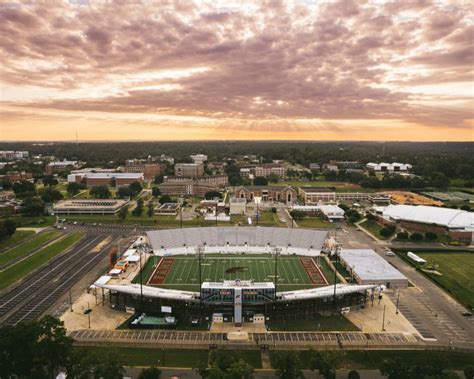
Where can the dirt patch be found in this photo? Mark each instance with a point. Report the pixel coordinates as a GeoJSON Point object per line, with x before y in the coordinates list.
{"type": "Point", "coordinates": [234, 270]}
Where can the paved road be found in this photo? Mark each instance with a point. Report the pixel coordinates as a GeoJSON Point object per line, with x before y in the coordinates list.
{"type": "Point", "coordinates": [429, 308]}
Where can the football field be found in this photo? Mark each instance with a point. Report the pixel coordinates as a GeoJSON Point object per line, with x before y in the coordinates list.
{"type": "Point", "coordinates": [182, 272]}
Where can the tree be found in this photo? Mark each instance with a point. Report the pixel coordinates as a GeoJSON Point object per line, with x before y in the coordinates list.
{"type": "Point", "coordinates": [7, 227]}
{"type": "Point", "coordinates": [100, 192]}
{"type": "Point", "coordinates": [74, 188]}
{"type": "Point", "coordinates": [210, 195]}
{"type": "Point", "coordinates": [353, 374]}
{"type": "Point", "coordinates": [34, 350]}
{"type": "Point", "coordinates": [150, 208]}
{"type": "Point", "coordinates": [465, 207]}
{"type": "Point", "coordinates": [135, 188]}
{"type": "Point", "coordinates": [260, 181]}
{"type": "Point", "coordinates": [124, 192]}
{"type": "Point", "coordinates": [297, 215]}
{"type": "Point", "coordinates": [158, 179]}
{"type": "Point", "coordinates": [50, 195]}
{"type": "Point", "coordinates": [439, 180]}
{"type": "Point", "coordinates": [431, 236]}
{"type": "Point", "coordinates": [273, 178]}
{"type": "Point", "coordinates": [385, 232]}
{"type": "Point", "coordinates": [225, 364]}
{"type": "Point", "coordinates": [326, 362]}
{"type": "Point", "coordinates": [155, 191]}
{"type": "Point", "coordinates": [32, 206]}
{"type": "Point", "coordinates": [469, 372]}
{"type": "Point", "coordinates": [416, 237]}
{"type": "Point", "coordinates": [123, 212]}
{"type": "Point", "coordinates": [150, 373]}
{"type": "Point", "coordinates": [402, 235]}
{"type": "Point", "coordinates": [165, 199]}
{"type": "Point", "coordinates": [394, 369]}
{"type": "Point", "coordinates": [288, 365]}
{"type": "Point", "coordinates": [139, 208]}
{"type": "Point", "coordinates": [50, 180]}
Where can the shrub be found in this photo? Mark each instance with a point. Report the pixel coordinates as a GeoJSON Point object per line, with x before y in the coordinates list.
{"type": "Point", "coordinates": [416, 237]}
{"type": "Point", "coordinates": [402, 235]}
{"type": "Point", "coordinates": [431, 236]}
{"type": "Point", "coordinates": [385, 232]}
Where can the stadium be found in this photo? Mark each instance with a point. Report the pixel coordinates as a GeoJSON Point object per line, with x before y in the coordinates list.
{"type": "Point", "coordinates": [239, 274]}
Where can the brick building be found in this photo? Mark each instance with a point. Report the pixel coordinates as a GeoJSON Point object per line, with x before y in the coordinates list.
{"type": "Point", "coordinates": [149, 170]}
{"type": "Point", "coordinates": [192, 186]}
{"type": "Point", "coordinates": [266, 169]}
{"type": "Point", "coordinates": [113, 179]}
{"type": "Point", "coordinates": [188, 169]}
{"type": "Point", "coordinates": [283, 194]}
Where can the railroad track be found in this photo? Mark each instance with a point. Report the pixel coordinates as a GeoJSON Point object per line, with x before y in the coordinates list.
{"type": "Point", "coordinates": [50, 282]}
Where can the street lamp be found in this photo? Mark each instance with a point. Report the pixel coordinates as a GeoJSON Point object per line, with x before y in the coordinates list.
{"type": "Point", "coordinates": [336, 254]}
{"type": "Point", "coordinates": [398, 300]}
{"type": "Point", "coordinates": [276, 253]}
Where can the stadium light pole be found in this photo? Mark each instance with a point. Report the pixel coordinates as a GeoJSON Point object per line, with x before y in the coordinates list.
{"type": "Point", "coordinates": [181, 214]}
{"type": "Point", "coordinates": [276, 252]}
{"type": "Point", "coordinates": [141, 277]}
{"type": "Point", "coordinates": [336, 253]}
{"type": "Point", "coordinates": [199, 252]}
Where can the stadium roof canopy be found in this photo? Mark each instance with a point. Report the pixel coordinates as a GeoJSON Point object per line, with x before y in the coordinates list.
{"type": "Point", "coordinates": [368, 266]}
{"type": "Point", "coordinates": [238, 239]}
{"type": "Point", "coordinates": [450, 218]}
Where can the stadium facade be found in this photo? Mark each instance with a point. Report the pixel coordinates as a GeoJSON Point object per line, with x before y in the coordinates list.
{"type": "Point", "coordinates": [239, 300]}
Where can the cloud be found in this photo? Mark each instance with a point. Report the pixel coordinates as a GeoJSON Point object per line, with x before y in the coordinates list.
{"type": "Point", "coordinates": [275, 61]}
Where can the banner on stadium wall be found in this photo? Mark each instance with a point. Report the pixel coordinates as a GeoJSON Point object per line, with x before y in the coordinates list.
{"type": "Point", "coordinates": [165, 309]}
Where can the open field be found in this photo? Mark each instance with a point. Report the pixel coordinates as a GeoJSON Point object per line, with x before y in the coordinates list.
{"type": "Point", "coordinates": [457, 272]}
{"type": "Point", "coordinates": [26, 247]}
{"type": "Point", "coordinates": [19, 236]}
{"type": "Point", "coordinates": [314, 222]}
{"type": "Point", "coordinates": [321, 324]}
{"type": "Point", "coordinates": [33, 222]}
{"type": "Point", "coordinates": [19, 270]}
{"type": "Point", "coordinates": [182, 272]}
{"type": "Point", "coordinates": [136, 356]}
{"type": "Point", "coordinates": [374, 228]}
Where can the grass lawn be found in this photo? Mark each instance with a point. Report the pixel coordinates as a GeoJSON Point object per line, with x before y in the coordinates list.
{"type": "Point", "coordinates": [322, 324]}
{"type": "Point", "coordinates": [27, 246]}
{"type": "Point", "coordinates": [184, 273]}
{"type": "Point", "coordinates": [374, 228]}
{"type": "Point", "coordinates": [23, 268]}
{"type": "Point", "coordinates": [314, 222]}
{"type": "Point", "coordinates": [33, 222]}
{"type": "Point", "coordinates": [372, 359]}
{"type": "Point", "coordinates": [268, 218]}
{"type": "Point", "coordinates": [457, 269]}
{"type": "Point", "coordinates": [136, 356]}
{"type": "Point", "coordinates": [17, 237]}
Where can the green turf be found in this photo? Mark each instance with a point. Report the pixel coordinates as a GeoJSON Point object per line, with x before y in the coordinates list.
{"type": "Point", "coordinates": [33, 222]}
{"type": "Point", "coordinates": [185, 271]}
{"type": "Point", "coordinates": [27, 247]}
{"type": "Point", "coordinates": [321, 324]}
{"type": "Point", "coordinates": [457, 269]}
{"type": "Point", "coordinates": [374, 228]}
{"type": "Point", "coordinates": [17, 237]}
{"type": "Point", "coordinates": [314, 222]}
{"type": "Point", "coordinates": [26, 266]}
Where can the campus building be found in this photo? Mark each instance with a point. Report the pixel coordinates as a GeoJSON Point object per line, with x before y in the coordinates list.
{"type": "Point", "coordinates": [316, 195]}
{"type": "Point", "coordinates": [9, 155]}
{"type": "Point", "coordinates": [285, 194]}
{"type": "Point", "coordinates": [267, 169]}
{"type": "Point", "coordinates": [188, 169]}
{"type": "Point", "coordinates": [60, 166]}
{"type": "Point", "coordinates": [88, 207]}
{"type": "Point", "coordinates": [388, 167]}
{"type": "Point", "coordinates": [141, 166]}
{"type": "Point", "coordinates": [458, 224]}
{"type": "Point", "coordinates": [113, 179]}
{"type": "Point", "coordinates": [192, 186]}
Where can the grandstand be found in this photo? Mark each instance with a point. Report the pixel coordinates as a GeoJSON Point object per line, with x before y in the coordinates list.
{"type": "Point", "coordinates": [239, 272]}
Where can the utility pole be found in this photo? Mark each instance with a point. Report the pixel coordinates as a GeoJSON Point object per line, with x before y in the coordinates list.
{"type": "Point", "coordinates": [398, 300]}
{"type": "Point", "coordinates": [141, 277]}
{"type": "Point", "coordinates": [181, 214]}
{"type": "Point", "coordinates": [258, 216]}
{"type": "Point", "coordinates": [216, 210]}
{"type": "Point", "coordinates": [70, 299]}
{"type": "Point", "coordinates": [336, 253]}
{"type": "Point", "coordinates": [383, 319]}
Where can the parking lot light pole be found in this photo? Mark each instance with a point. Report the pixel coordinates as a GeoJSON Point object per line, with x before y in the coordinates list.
{"type": "Point", "coordinates": [383, 319]}
{"type": "Point", "coordinates": [398, 300]}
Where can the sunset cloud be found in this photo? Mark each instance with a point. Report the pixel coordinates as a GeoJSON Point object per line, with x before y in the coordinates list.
{"type": "Point", "coordinates": [292, 69]}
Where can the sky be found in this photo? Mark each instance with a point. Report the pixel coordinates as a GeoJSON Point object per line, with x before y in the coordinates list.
{"type": "Point", "coordinates": [237, 70]}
